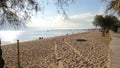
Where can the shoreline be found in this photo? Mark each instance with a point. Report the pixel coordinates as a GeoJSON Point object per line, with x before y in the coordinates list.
{"type": "Point", "coordinates": [63, 51]}
{"type": "Point", "coordinates": [22, 41]}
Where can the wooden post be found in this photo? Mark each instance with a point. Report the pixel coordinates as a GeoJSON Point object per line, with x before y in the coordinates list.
{"type": "Point", "coordinates": [18, 54]}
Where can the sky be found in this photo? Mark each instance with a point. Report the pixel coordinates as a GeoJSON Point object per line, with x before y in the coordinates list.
{"type": "Point", "coordinates": [81, 15]}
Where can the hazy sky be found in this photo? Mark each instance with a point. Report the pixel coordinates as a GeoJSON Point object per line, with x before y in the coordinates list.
{"type": "Point", "coordinates": [81, 15]}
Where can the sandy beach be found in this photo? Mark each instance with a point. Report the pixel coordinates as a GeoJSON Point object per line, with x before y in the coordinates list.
{"type": "Point", "coordinates": [61, 52]}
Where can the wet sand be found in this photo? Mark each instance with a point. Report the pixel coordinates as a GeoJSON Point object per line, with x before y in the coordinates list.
{"type": "Point", "coordinates": [60, 52]}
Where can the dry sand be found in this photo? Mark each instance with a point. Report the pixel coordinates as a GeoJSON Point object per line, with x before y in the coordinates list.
{"type": "Point", "coordinates": [60, 52]}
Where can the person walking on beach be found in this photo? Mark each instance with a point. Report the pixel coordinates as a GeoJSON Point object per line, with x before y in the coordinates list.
{"type": "Point", "coordinates": [1, 59]}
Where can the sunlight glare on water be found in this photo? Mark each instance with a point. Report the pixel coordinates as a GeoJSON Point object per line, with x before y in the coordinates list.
{"type": "Point", "coordinates": [10, 36]}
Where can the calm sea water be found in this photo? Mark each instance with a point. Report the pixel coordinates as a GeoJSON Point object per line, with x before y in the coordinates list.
{"type": "Point", "coordinates": [11, 36]}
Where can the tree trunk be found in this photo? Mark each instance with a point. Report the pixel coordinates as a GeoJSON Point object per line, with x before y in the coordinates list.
{"type": "Point", "coordinates": [107, 31]}
{"type": "Point", "coordinates": [1, 59]}
{"type": "Point", "coordinates": [103, 33]}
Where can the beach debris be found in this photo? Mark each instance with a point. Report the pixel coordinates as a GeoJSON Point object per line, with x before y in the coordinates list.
{"type": "Point", "coordinates": [58, 59]}
{"type": "Point", "coordinates": [81, 40]}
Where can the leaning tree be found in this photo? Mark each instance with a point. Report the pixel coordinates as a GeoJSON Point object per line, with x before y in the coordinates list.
{"type": "Point", "coordinates": [107, 22]}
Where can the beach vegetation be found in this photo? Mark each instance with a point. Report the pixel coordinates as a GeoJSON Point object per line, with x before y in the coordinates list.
{"type": "Point", "coordinates": [116, 27]}
{"type": "Point", "coordinates": [107, 22]}
{"type": "Point", "coordinates": [106, 39]}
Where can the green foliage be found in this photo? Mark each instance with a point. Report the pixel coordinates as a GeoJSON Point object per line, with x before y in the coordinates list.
{"type": "Point", "coordinates": [97, 21]}
{"type": "Point", "coordinates": [106, 22]}
{"type": "Point", "coordinates": [116, 26]}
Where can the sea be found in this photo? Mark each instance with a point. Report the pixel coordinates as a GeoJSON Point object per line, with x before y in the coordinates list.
{"type": "Point", "coordinates": [8, 37]}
